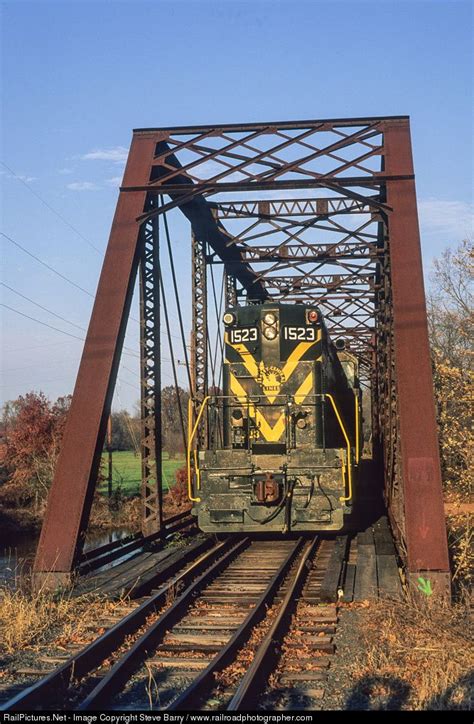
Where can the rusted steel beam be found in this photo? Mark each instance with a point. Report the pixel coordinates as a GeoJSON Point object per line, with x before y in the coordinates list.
{"type": "Point", "coordinates": [320, 281]}
{"type": "Point", "coordinates": [70, 498]}
{"type": "Point", "coordinates": [324, 124]}
{"type": "Point", "coordinates": [309, 183]}
{"type": "Point", "coordinates": [310, 252]}
{"type": "Point", "coordinates": [205, 227]}
{"type": "Point", "coordinates": [270, 158]}
{"type": "Point", "coordinates": [150, 375]}
{"type": "Point", "coordinates": [291, 207]}
{"type": "Point", "coordinates": [424, 523]}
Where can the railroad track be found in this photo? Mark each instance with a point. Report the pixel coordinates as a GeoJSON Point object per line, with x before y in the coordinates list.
{"type": "Point", "coordinates": [59, 671]}
{"type": "Point", "coordinates": [241, 627]}
{"type": "Point", "coordinates": [306, 648]}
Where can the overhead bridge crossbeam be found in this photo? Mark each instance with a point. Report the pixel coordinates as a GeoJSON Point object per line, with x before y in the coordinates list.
{"type": "Point", "coordinates": [310, 252]}
{"type": "Point", "coordinates": [320, 207]}
{"type": "Point", "coordinates": [338, 227]}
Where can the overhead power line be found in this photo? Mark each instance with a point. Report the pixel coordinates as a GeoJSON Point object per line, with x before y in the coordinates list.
{"type": "Point", "coordinates": [50, 311]}
{"type": "Point", "coordinates": [38, 321]}
{"type": "Point", "coordinates": [40, 261]}
{"type": "Point", "coordinates": [51, 208]}
{"type": "Point", "coordinates": [7, 350]}
{"type": "Point", "coordinates": [130, 351]}
{"type": "Point", "coordinates": [59, 274]}
{"type": "Point", "coordinates": [125, 382]}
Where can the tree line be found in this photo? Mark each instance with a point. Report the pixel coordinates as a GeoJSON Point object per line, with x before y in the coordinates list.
{"type": "Point", "coordinates": [31, 428]}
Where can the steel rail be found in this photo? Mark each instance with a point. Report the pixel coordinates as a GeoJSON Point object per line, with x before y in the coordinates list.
{"type": "Point", "coordinates": [107, 547]}
{"type": "Point", "coordinates": [94, 553]}
{"type": "Point", "coordinates": [127, 664]}
{"type": "Point", "coordinates": [90, 657]}
{"type": "Point", "coordinates": [205, 679]}
{"type": "Point", "coordinates": [263, 662]}
{"type": "Point", "coordinates": [117, 549]}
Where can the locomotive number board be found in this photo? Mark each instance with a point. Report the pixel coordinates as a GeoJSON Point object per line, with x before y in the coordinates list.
{"type": "Point", "coordinates": [308, 334]}
{"type": "Point", "coordinates": [243, 334]}
{"type": "Point", "coordinates": [250, 334]}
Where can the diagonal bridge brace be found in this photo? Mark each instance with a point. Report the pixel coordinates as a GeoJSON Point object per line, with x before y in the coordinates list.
{"type": "Point", "coordinates": [71, 495]}
{"type": "Point", "coordinates": [405, 438]}
{"type": "Point", "coordinates": [206, 228]}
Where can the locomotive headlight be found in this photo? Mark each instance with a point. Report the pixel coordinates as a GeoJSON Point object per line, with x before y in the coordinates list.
{"type": "Point", "coordinates": [229, 318]}
{"type": "Point", "coordinates": [270, 318]}
{"type": "Point", "coordinates": [270, 332]}
{"type": "Point", "coordinates": [237, 418]}
{"type": "Point", "coordinates": [312, 316]}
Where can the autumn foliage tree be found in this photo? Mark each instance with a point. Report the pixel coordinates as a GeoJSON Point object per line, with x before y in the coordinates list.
{"type": "Point", "coordinates": [450, 316]}
{"type": "Point", "coordinates": [172, 431]}
{"type": "Point", "coordinates": [125, 431]}
{"type": "Point", "coordinates": [32, 428]}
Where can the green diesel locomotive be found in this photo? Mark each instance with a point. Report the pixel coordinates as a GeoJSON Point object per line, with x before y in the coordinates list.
{"type": "Point", "coordinates": [279, 449]}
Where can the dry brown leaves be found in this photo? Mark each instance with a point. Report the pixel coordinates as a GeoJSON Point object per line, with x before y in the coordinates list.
{"type": "Point", "coordinates": [425, 646]}
{"type": "Point", "coordinates": [231, 675]}
{"type": "Point", "coordinates": [29, 620]}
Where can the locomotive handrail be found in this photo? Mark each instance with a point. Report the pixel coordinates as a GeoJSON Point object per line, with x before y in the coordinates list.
{"type": "Point", "coordinates": [357, 443]}
{"type": "Point", "coordinates": [346, 437]}
{"type": "Point", "coordinates": [191, 435]}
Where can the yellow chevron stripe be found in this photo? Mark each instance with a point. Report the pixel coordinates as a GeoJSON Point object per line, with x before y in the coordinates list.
{"type": "Point", "coordinates": [304, 389]}
{"type": "Point", "coordinates": [271, 434]}
{"type": "Point", "coordinates": [297, 354]}
{"type": "Point", "coordinates": [253, 369]}
{"type": "Point", "coordinates": [247, 358]}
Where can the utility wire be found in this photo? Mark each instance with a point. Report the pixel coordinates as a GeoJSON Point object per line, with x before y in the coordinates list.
{"type": "Point", "coordinates": [173, 364]}
{"type": "Point", "coordinates": [130, 352]}
{"type": "Point", "coordinates": [40, 261]}
{"type": "Point", "coordinates": [178, 305]}
{"type": "Point", "coordinates": [59, 275]}
{"type": "Point", "coordinates": [17, 311]}
{"type": "Point", "coordinates": [56, 329]}
{"type": "Point", "coordinates": [48, 266]}
{"type": "Point", "coordinates": [125, 382]}
{"type": "Point", "coordinates": [48, 206]}
{"type": "Point", "coordinates": [134, 372]}
{"type": "Point", "coordinates": [125, 417]}
{"type": "Point", "coordinates": [7, 350]}
{"type": "Point", "coordinates": [218, 311]}
{"type": "Point", "coordinates": [50, 311]}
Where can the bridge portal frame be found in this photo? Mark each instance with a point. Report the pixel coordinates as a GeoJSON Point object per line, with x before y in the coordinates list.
{"type": "Point", "coordinates": [276, 157]}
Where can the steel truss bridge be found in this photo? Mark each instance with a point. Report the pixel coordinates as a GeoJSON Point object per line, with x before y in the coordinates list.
{"type": "Point", "coordinates": [321, 211]}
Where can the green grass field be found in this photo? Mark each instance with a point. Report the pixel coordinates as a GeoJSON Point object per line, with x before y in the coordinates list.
{"type": "Point", "coordinates": [126, 471]}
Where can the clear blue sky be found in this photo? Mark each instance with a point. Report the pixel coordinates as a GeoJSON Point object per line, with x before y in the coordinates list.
{"type": "Point", "coordinates": [78, 76]}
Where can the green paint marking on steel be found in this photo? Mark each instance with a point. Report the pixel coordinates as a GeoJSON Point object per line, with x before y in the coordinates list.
{"type": "Point", "coordinates": [424, 585]}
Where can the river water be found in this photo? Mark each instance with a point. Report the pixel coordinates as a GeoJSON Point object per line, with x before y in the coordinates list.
{"type": "Point", "coordinates": [16, 557]}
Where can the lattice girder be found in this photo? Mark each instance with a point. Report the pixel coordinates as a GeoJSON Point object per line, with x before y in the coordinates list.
{"type": "Point", "coordinates": [324, 211]}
